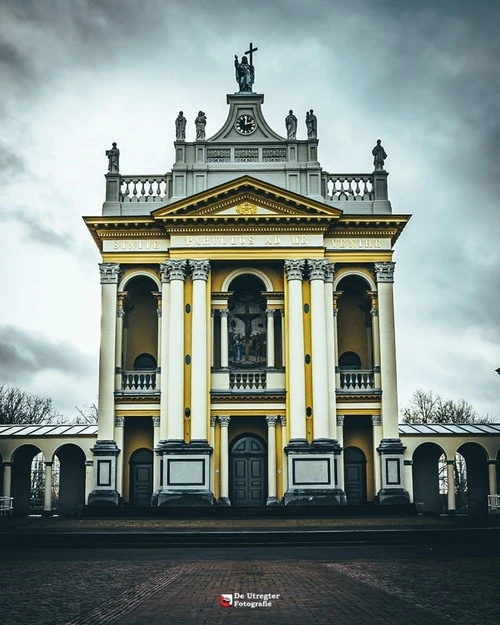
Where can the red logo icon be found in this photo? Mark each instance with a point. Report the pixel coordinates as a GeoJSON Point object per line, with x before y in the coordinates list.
{"type": "Point", "coordinates": [226, 600]}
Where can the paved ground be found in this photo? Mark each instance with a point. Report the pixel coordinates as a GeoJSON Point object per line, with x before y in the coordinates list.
{"type": "Point", "coordinates": [335, 586]}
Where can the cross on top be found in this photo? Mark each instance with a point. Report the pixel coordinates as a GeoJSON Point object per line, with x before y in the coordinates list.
{"type": "Point", "coordinates": [251, 51]}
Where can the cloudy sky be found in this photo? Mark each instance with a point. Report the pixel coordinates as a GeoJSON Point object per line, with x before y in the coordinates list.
{"type": "Point", "coordinates": [422, 76]}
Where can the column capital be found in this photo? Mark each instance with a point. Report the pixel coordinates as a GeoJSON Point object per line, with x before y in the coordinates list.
{"type": "Point", "coordinates": [271, 422]}
{"type": "Point", "coordinates": [384, 272]}
{"type": "Point", "coordinates": [199, 269]}
{"type": "Point", "coordinates": [376, 420]}
{"type": "Point", "coordinates": [270, 312]}
{"type": "Point", "coordinates": [110, 273]}
{"type": "Point", "coordinates": [283, 422]}
{"type": "Point", "coordinates": [119, 422]}
{"type": "Point", "coordinates": [156, 422]}
{"type": "Point", "coordinates": [294, 269]}
{"type": "Point", "coordinates": [213, 420]}
{"type": "Point", "coordinates": [177, 269]}
{"type": "Point", "coordinates": [224, 421]}
{"type": "Point", "coordinates": [329, 272]}
{"type": "Point", "coordinates": [317, 268]}
{"type": "Point", "coordinates": [224, 312]}
{"type": "Point", "coordinates": [340, 419]}
{"type": "Point", "coordinates": [164, 272]}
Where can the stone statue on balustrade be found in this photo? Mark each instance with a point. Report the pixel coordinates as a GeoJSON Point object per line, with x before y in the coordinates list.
{"type": "Point", "coordinates": [379, 156]}
{"type": "Point", "coordinates": [180, 127]}
{"type": "Point", "coordinates": [245, 73]}
{"type": "Point", "coordinates": [200, 122]}
{"type": "Point", "coordinates": [311, 125]}
{"type": "Point", "coordinates": [291, 125]}
{"type": "Point", "coordinates": [113, 159]}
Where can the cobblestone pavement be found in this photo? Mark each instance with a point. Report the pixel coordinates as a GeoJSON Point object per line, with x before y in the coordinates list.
{"type": "Point", "coordinates": [350, 586]}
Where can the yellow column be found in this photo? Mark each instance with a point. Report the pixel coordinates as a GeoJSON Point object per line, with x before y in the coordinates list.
{"type": "Point", "coordinates": [331, 351]}
{"type": "Point", "coordinates": [163, 357]}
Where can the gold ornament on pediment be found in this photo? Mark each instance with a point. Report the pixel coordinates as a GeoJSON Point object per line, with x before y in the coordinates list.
{"type": "Point", "coordinates": [247, 208]}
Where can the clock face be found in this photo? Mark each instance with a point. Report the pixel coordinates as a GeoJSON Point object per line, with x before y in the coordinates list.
{"type": "Point", "coordinates": [245, 124]}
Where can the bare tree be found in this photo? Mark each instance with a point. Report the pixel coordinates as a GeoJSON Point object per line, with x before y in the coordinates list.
{"type": "Point", "coordinates": [87, 415]}
{"type": "Point", "coordinates": [17, 406]}
{"type": "Point", "coordinates": [429, 407]}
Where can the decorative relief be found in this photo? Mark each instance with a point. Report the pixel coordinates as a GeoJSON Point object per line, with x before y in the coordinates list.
{"type": "Point", "coordinates": [384, 272]}
{"type": "Point", "coordinates": [224, 421]}
{"type": "Point", "coordinates": [246, 155]}
{"type": "Point", "coordinates": [119, 422]}
{"type": "Point", "coordinates": [271, 422]}
{"type": "Point", "coordinates": [340, 420]}
{"type": "Point", "coordinates": [164, 272]}
{"type": "Point", "coordinates": [110, 273]}
{"type": "Point", "coordinates": [376, 419]}
{"type": "Point", "coordinates": [219, 155]}
{"type": "Point", "coordinates": [283, 422]}
{"type": "Point", "coordinates": [294, 269]}
{"type": "Point", "coordinates": [270, 312]}
{"type": "Point", "coordinates": [213, 420]}
{"type": "Point", "coordinates": [273, 155]}
{"type": "Point", "coordinates": [199, 269]}
{"type": "Point", "coordinates": [156, 422]}
{"type": "Point", "coordinates": [329, 272]}
{"type": "Point", "coordinates": [247, 208]}
{"type": "Point", "coordinates": [177, 269]}
{"type": "Point", "coordinates": [317, 269]}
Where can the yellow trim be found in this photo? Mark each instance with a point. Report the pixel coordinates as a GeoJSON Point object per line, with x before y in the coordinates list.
{"type": "Point", "coordinates": [359, 412]}
{"type": "Point", "coordinates": [359, 257]}
{"type": "Point", "coordinates": [137, 413]}
{"type": "Point", "coordinates": [248, 412]}
{"type": "Point", "coordinates": [245, 254]}
{"type": "Point", "coordinates": [136, 258]}
{"type": "Point", "coordinates": [188, 333]}
{"type": "Point", "coordinates": [306, 320]}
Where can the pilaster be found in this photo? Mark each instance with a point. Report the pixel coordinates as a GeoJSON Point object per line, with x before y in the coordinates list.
{"type": "Point", "coordinates": [224, 462]}
{"type": "Point", "coordinates": [272, 500]}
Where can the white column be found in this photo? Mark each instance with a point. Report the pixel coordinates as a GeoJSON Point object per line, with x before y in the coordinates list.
{"type": "Point", "coordinates": [271, 461]}
{"type": "Point", "coordinates": [330, 350]}
{"type": "Point", "coordinates": [492, 477]}
{"type": "Point", "coordinates": [284, 443]}
{"type": "Point", "coordinates": [450, 472]}
{"type": "Point", "coordinates": [385, 278]}
{"type": "Point", "coordinates": [164, 351]}
{"type": "Point", "coordinates": [212, 335]}
{"type": "Point", "coordinates": [47, 496]}
{"type": "Point", "coordinates": [199, 355]}
{"type": "Point", "coordinates": [321, 428]}
{"type": "Point", "coordinates": [175, 367]}
{"type": "Point", "coordinates": [270, 338]}
{"type": "Point", "coordinates": [118, 437]}
{"type": "Point", "coordinates": [283, 338]}
{"type": "Point", "coordinates": [377, 437]}
{"type": "Point", "coordinates": [408, 481]}
{"type": "Point", "coordinates": [224, 458]}
{"type": "Point", "coordinates": [212, 456]}
{"type": "Point", "coordinates": [7, 478]}
{"type": "Point", "coordinates": [110, 273]}
{"type": "Point", "coordinates": [156, 457]}
{"type": "Point", "coordinates": [375, 338]}
{"type": "Point", "coordinates": [89, 478]}
{"type": "Point", "coordinates": [157, 295]}
{"type": "Point", "coordinates": [296, 374]}
{"type": "Point", "coordinates": [120, 314]}
{"type": "Point", "coordinates": [224, 338]}
{"type": "Point", "coordinates": [336, 295]}
{"type": "Point", "coordinates": [340, 465]}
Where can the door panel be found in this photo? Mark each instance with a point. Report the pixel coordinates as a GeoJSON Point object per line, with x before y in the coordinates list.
{"type": "Point", "coordinates": [248, 473]}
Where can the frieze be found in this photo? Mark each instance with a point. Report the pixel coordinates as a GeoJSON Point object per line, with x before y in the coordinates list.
{"type": "Point", "coordinates": [245, 240]}
{"type": "Point", "coordinates": [135, 245]}
{"type": "Point", "coordinates": [357, 243]}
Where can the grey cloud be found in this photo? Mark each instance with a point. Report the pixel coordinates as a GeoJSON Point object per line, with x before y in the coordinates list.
{"type": "Point", "coordinates": [39, 230]}
{"type": "Point", "coordinates": [22, 354]}
{"type": "Point", "coordinates": [11, 163]}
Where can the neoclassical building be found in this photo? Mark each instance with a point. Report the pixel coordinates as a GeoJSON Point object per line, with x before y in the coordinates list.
{"type": "Point", "coordinates": [247, 351]}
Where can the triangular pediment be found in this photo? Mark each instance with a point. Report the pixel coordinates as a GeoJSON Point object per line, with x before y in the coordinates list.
{"type": "Point", "coordinates": [249, 199]}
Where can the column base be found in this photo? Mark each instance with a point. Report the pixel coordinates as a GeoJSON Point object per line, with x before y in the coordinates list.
{"type": "Point", "coordinates": [315, 497]}
{"type": "Point", "coordinates": [223, 501]}
{"type": "Point", "coordinates": [104, 498]}
{"type": "Point", "coordinates": [154, 497]}
{"type": "Point", "coordinates": [187, 499]}
{"type": "Point", "coordinates": [272, 501]}
{"type": "Point", "coordinates": [393, 496]}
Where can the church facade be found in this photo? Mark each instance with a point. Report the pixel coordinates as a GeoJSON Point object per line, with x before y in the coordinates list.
{"type": "Point", "coordinates": [247, 351]}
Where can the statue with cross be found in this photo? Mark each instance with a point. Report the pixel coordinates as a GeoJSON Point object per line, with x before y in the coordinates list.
{"type": "Point", "coordinates": [245, 73]}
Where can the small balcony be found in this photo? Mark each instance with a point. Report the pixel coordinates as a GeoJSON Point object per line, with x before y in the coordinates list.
{"type": "Point", "coordinates": [355, 380]}
{"type": "Point", "coordinates": [139, 382]}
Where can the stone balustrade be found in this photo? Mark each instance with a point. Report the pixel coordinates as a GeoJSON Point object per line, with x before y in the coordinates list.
{"type": "Point", "coordinates": [349, 187]}
{"type": "Point", "coordinates": [152, 188]}
{"type": "Point", "coordinates": [247, 380]}
{"type": "Point", "coordinates": [358, 380]}
{"type": "Point", "coordinates": [139, 381]}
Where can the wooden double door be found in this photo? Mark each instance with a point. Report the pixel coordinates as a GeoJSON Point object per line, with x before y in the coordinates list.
{"type": "Point", "coordinates": [141, 477]}
{"type": "Point", "coordinates": [248, 472]}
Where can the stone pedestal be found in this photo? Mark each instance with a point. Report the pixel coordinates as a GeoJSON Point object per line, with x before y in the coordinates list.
{"type": "Point", "coordinates": [391, 452]}
{"type": "Point", "coordinates": [104, 491]}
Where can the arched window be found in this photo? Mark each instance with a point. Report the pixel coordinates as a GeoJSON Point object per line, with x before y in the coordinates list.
{"type": "Point", "coordinates": [350, 360]}
{"type": "Point", "coordinates": [145, 362]}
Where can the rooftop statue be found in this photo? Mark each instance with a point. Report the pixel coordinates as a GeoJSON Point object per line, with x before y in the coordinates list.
{"type": "Point", "coordinates": [180, 127]}
{"type": "Point", "coordinates": [245, 73]}
{"type": "Point", "coordinates": [379, 156]}
{"type": "Point", "coordinates": [291, 125]}
{"type": "Point", "coordinates": [312, 125]}
{"type": "Point", "coordinates": [113, 159]}
{"type": "Point", "coordinates": [200, 122]}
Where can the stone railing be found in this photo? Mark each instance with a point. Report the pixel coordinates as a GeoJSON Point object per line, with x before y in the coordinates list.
{"type": "Point", "coordinates": [154, 188]}
{"type": "Point", "coordinates": [359, 380]}
{"type": "Point", "coordinates": [247, 380]}
{"type": "Point", "coordinates": [139, 381]}
{"type": "Point", "coordinates": [349, 187]}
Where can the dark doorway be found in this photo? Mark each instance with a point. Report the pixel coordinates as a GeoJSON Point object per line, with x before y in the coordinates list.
{"type": "Point", "coordinates": [248, 472]}
{"type": "Point", "coordinates": [141, 477]}
{"type": "Point", "coordinates": [355, 475]}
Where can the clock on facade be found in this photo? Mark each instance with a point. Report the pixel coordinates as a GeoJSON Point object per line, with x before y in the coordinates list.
{"type": "Point", "coordinates": [245, 124]}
